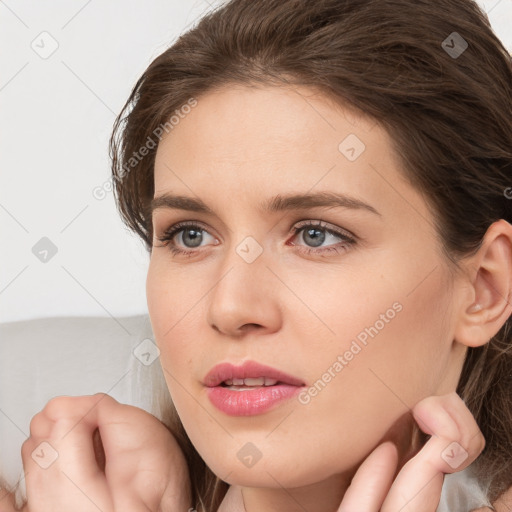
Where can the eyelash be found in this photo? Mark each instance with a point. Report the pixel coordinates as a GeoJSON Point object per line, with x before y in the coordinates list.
{"type": "Point", "coordinates": [348, 240]}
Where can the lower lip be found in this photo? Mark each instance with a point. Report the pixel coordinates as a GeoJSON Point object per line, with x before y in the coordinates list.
{"type": "Point", "coordinates": [251, 402]}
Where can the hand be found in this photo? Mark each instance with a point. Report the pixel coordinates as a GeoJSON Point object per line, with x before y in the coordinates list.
{"type": "Point", "coordinates": [140, 468]}
{"type": "Point", "coordinates": [455, 442]}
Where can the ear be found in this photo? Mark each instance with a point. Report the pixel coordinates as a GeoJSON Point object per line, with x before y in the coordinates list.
{"type": "Point", "coordinates": [486, 305]}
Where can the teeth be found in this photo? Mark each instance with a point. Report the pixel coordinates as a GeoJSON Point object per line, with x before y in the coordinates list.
{"type": "Point", "coordinates": [251, 382]}
{"type": "Point", "coordinates": [259, 381]}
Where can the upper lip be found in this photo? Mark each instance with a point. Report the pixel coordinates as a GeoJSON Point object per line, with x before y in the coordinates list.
{"type": "Point", "coordinates": [249, 369]}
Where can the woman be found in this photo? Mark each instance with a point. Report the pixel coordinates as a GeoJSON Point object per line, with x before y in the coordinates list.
{"type": "Point", "coordinates": [323, 188]}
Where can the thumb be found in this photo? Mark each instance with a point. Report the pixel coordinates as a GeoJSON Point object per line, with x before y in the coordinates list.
{"type": "Point", "coordinates": [454, 444]}
{"type": "Point", "coordinates": [372, 480]}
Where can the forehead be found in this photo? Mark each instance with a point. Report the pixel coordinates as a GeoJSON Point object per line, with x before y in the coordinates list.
{"type": "Point", "coordinates": [263, 140]}
{"type": "Point", "coordinates": [237, 122]}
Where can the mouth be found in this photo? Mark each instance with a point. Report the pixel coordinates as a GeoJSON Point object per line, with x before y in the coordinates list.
{"type": "Point", "coordinates": [249, 383]}
{"type": "Point", "coordinates": [249, 374]}
{"type": "Point", "coordinates": [249, 389]}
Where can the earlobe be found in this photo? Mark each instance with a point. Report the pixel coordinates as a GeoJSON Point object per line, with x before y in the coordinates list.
{"type": "Point", "coordinates": [491, 287]}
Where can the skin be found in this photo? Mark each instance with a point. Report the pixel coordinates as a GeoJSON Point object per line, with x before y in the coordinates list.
{"type": "Point", "coordinates": [295, 311]}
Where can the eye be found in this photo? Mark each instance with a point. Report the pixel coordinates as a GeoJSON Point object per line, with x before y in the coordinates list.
{"type": "Point", "coordinates": [188, 234]}
{"type": "Point", "coordinates": [314, 234]}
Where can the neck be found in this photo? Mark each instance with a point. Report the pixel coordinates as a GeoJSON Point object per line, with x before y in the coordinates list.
{"type": "Point", "coordinates": [323, 496]}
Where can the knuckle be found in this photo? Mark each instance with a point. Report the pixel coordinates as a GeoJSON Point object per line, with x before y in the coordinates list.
{"type": "Point", "coordinates": [103, 399]}
{"type": "Point", "coordinates": [61, 407]}
{"type": "Point", "coordinates": [39, 425]}
{"type": "Point", "coordinates": [474, 441]}
{"type": "Point", "coordinates": [26, 448]}
{"type": "Point", "coordinates": [473, 444]}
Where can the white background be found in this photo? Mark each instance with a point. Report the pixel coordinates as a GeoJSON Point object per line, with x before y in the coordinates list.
{"type": "Point", "coordinates": [56, 118]}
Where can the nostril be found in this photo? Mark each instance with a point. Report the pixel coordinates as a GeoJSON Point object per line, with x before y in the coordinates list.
{"type": "Point", "coordinates": [246, 327]}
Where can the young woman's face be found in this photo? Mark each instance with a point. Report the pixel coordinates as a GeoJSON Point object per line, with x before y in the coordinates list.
{"type": "Point", "coordinates": [354, 299]}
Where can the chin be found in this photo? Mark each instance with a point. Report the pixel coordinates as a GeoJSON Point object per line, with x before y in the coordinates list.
{"type": "Point", "coordinates": [273, 479]}
{"type": "Point", "coordinates": [274, 472]}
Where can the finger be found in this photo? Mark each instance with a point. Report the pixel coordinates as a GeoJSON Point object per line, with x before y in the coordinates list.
{"type": "Point", "coordinates": [136, 448]}
{"type": "Point", "coordinates": [372, 480]}
{"type": "Point", "coordinates": [60, 454]}
{"type": "Point", "coordinates": [126, 429]}
{"type": "Point", "coordinates": [63, 433]}
{"type": "Point", "coordinates": [451, 448]}
{"type": "Point", "coordinates": [120, 428]}
{"type": "Point", "coordinates": [471, 434]}
{"type": "Point", "coordinates": [139, 447]}
{"type": "Point", "coordinates": [449, 418]}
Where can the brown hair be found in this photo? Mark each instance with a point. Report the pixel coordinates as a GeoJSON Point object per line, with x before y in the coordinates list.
{"type": "Point", "coordinates": [448, 112]}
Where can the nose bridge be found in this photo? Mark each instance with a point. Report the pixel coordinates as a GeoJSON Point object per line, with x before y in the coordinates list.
{"type": "Point", "coordinates": [243, 295]}
{"type": "Point", "coordinates": [243, 267]}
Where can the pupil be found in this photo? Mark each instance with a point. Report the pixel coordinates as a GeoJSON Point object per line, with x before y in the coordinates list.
{"type": "Point", "coordinates": [196, 237]}
{"type": "Point", "coordinates": [317, 236]}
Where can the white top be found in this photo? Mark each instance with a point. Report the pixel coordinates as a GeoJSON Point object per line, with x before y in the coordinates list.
{"type": "Point", "coordinates": [462, 492]}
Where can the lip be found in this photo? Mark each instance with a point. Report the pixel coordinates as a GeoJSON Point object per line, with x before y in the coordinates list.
{"type": "Point", "coordinates": [253, 400]}
{"type": "Point", "coordinates": [249, 369]}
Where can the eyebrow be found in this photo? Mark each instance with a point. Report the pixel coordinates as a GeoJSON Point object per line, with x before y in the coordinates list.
{"type": "Point", "coordinates": [277, 203]}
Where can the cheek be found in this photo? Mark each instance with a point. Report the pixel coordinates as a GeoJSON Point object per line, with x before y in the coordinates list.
{"type": "Point", "coordinates": [173, 308]}
{"type": "Point", "coordinates": [173, 297]}
{"type": "Point", "coordinates": [398, 338]}
{"type": "Point", "coordinates": [391, 321]}
{"type": "Point", "coordinates": [390, 354]}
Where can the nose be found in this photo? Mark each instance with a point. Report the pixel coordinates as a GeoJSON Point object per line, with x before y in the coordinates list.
{"type": "Point", "coordinates": [245, 297]}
